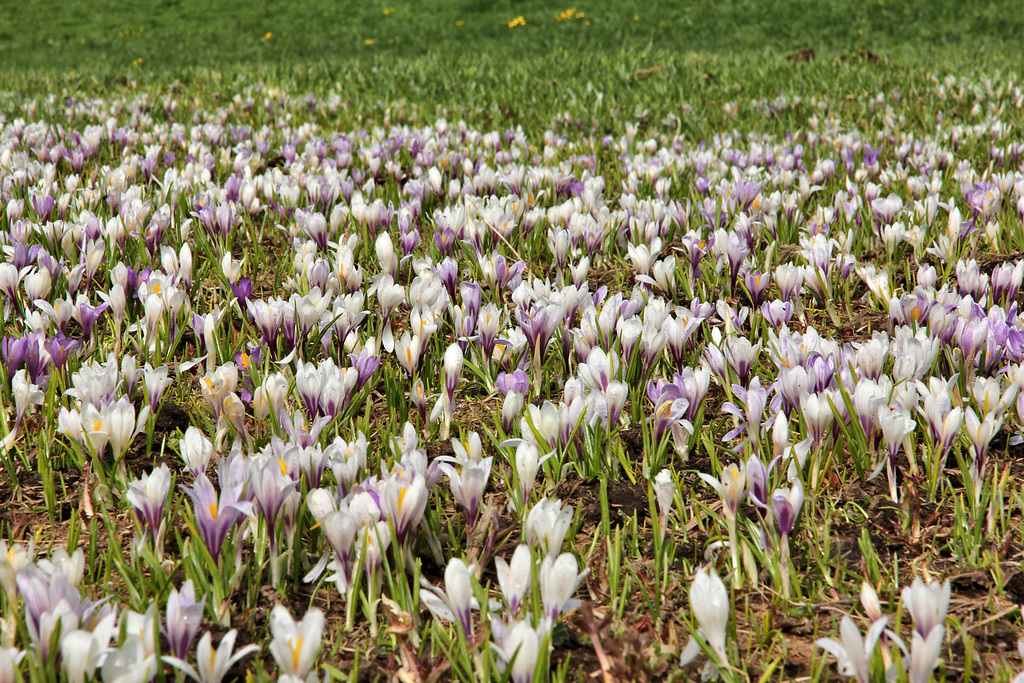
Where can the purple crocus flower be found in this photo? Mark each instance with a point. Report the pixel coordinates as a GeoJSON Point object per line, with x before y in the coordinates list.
{"type": "Point", "coordinates": [184, 617]}
{"type": "Point", "coordinates": [757, 284]}
{"type": "Point", "coordinates": [272, 486]}
{"type": "Point", "coordinates": [448, 272]}
{"type": "Point", "coordinates": [518, 382]}
{"type": "Point", "coordinates": [777, 313]}
{"type": "Point", "coordinates": [786, 505]}
{"type": "Point", "coordinates": [215, 515]}
{"type": "Point", "coordinates": [242, 289]}
{"type": "Point", "coordinates": [366, 363]}
{"type": "Point", "coordinates": [148, 496]}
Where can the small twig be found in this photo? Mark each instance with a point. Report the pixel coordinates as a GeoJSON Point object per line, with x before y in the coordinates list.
{"type": "Point", "coordinates": [86, 493]}
{"type": "Point", "coordinates": [995, 617]}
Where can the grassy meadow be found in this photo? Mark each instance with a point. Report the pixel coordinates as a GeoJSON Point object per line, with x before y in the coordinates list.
{"type": "Point", "coordinates": [458, 341]}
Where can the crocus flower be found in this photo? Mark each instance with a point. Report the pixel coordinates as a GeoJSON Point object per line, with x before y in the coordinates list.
{"type": "Point", "coordinates": [731, 488]}
{"type": "Point", "coordinates": [82, 651]}
{"type": "Point", "coordinates": [456, 601]}
{"type": "Point", "coordinates": [527, 462]}
{"type": "Point", "coordinates": [213, 664]}
{"type": "Point", "coordinates": [295, 645]}
{"type": "Point", "coordinates": [445, 406]}
{"type": "Point", "coordinates": [130, 662]}
{"type": "Point", "coordinates": [980, 432]}
{"type": "Point", "coordinates": [754, 398]}
{"type": "Point", "coordinates": [468, 486]}
{"type": "Point", "coordinates": [786, 503]}
{"type": "Point", "coordinates": [547, 525]}
{"type": "Point", "coordinates": [196, 450]}
{"type": "Point", "coordinates": [271, 485]}
{"type": "Point", "coordinates": [215, 515]}
{"type": "Point", "coordinates": [854, 653]}
{"type": "Point", "coordinates": [709, 600]}
{"type": "Point", "coordinates": [924, 655]}
{"type": "Point", "coordinates": [404, 504]}
{"type": "Point", "coordinates": [148, 496]}
{"type": "Point", "coordinates": [10, 658]}
{"type": "Point", "coordinates": [518, 645]}
{"type": "Point", "coordinates": [184, 617]}
{"type": "Point", "coordinates": [927, 604]}
{"type": "Point", "coordinates": [896, 426]}
{"type": "Point", "coordinates": [559, 578]}
{"type": "Point", "coordinates": [664, 492]}
{"type": "Point", "coordinates": [514, 577]}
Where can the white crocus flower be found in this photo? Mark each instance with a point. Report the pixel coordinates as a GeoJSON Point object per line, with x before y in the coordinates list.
{"type": "Point", "coordinates": [514, 577]}
{"type": "Point", "coordinates": [295, 645]}
{"type": "Point", "coordinates": [547, 524]}
{"type": "Point", "coordinates": [213, 664]}
{"type": "Point", "coordinates": [709, 600]}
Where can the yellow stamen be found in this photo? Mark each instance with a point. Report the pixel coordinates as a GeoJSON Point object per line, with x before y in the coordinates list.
{"type": "Point", "coordinates": [213, 510]}
{"type": "Point", "coordinates": [97, 425]}
{"type": "Point", "coordinates": [295, 653]}
{"type": "Point", "coordinates": [401, 497]}
{"type": "Point", "coordinates": [284, 467]}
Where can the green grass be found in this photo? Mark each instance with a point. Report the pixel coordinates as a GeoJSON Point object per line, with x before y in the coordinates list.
{"type": "Point", "coordinates": [168, 35]}
{"type": "Point", "coordinates": [619, 61]}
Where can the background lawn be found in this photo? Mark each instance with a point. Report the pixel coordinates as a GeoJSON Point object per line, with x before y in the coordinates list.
{"type": "Point", "coordinates": [602, 61]}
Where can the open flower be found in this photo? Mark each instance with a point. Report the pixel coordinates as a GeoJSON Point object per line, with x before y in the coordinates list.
{"type": "Point", "coordinates": [213, 664]}
{"type": "Point", "coordinates": [854, 653]}
{"type": "Point", "coordinates": [294, 645]}
{"type": "Point", "coordinates": [730, 487]}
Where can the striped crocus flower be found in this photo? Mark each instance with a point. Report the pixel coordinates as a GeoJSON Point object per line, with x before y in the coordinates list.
{"type": "Point", "coordinates": [215, 515]}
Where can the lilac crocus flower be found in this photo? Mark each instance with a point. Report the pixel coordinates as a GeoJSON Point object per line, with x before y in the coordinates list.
{"type": "Point", "coordinates": [148, 496]}
{"type": "Point", "coordinates": [777, 312]}
{"type": "Point", "coordinates": [184, 617]}
{"type": "Point", "coordinates": [404, 504]}
{"type": "Point", "coordinates": [757, 285]}
{"type": "Point", "coordinates": [365, 363]}
{"type": "Point", "coordinates": [754, 400]}
{"type": "Point", "coordinates": [468, 486]}
{"type": "Point", "coordinates": [88, 315]}
{"type": "Point", "coordinates": [786, 504]}
{"type": "Point", "coordinates": [215, 516]}
{"type": "Point", "coordinates": [272, 486]}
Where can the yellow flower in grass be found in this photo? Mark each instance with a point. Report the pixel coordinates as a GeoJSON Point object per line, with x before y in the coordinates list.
{"type": "Point", "coordinates": [518, 21]}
